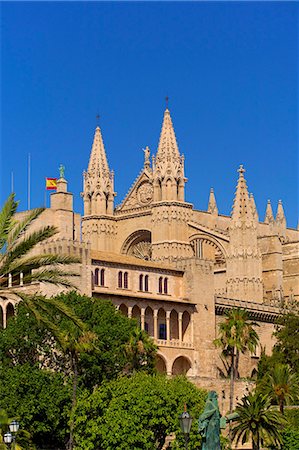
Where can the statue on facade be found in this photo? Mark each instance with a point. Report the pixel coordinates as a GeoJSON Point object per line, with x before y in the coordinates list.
{"type": "Point", "coordinates": [209, 423]}
{"type": "Point", "coordinates": [61, 171]}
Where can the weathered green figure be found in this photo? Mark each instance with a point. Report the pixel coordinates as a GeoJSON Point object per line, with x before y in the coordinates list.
{"type": "Point", "coordinates": [209, 423]}
{"type": "Point", "coordinates": [61, 171]}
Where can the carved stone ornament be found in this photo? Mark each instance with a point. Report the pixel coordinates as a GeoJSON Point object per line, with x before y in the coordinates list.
{"type": "Point", "coordinates": [142, 250]}
{"type": "Point", "coordinates": [145, 193]}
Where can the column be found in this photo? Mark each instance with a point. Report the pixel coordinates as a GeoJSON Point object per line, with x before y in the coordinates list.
{"type": "Point", "coordinates": [142, 318]}
{"type": "Point", "coordinates": [180, 326]}
{"type": "Point", "coordinates": [130, 312]}
{"type": "Point", "coordinates": [192, 329]}
{"type": "Point", "coordinates": [168, 325]}
{"type": "Point", "coordinates": [155, 324]}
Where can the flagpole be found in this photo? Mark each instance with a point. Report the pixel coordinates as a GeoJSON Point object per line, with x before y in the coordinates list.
{"type": "Point", "coordinates": [29, 162]}
{"type": "Point", "coordinates": [45, 194]}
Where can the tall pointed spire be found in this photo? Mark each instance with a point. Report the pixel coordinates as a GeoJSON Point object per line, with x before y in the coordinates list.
{"type": "Point", "coordinates": [269, 218]}
{"type": "Point", "coordinates": [212, 206]}
{"type": "Point", "coordinates": [280, 220]}
{"type": "Point", "coordinates": [168, 165]}
{"type": "Point", "coordinates": [244, 262]}
{"type": "Point", "coordinates": [98, 180]}
{"type": "Point", "coordinates": [168, 147]}
{"type": "Point", "coordinates": [242, 209]}
{"type": "Point", "coordinates": [98, 163]}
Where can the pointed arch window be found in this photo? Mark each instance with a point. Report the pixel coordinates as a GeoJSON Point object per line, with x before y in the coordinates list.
{"type": "Point", "coordinates": [160, 285]}
{"type": "Point", "coordinates": [102, 277]}
{"type": "Point", "coordinates": [141, 282]}
{"type": "Point", "coordinates": [126, 278]}
{"type": "Point", "coordinates": [146, 283]}
{"type": "Point", "coordinates": [165, 285]}
{"type": "Point", "coordinates": [96, 277]}
{"type": "Point", "coordinates": [120, 279]}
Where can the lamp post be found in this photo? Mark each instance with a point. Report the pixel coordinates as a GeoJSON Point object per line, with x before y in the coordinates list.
{"type": "Point", "coordinates": [10, 438]}
{"type": "Point", "coordinates": [185, 424]}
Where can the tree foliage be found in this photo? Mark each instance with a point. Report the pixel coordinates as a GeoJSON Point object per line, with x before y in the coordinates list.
{"type": "Point", "coordinates": [136, 412]}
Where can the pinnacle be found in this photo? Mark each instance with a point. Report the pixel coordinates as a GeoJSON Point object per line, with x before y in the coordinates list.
{"type": "Point", "coordinates": [253, 206]}
{"type": "Point", "coordinates": [242, 207]}
{"type": "Point", "coordinates": [168, 145]}
{"type": "Point", "coordinates": [269, 218]}
{"type": "Point", "coordinates": [98, 164]}
{"type": "Point", "coordinates": [212, 206]}
{"type": "Point", "coordinates": [280, 217]}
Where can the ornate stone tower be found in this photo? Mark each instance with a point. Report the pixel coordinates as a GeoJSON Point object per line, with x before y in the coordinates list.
{"type": "Point", "coordinates": [98, 225]}
{"type": "Point", "coordinates": [244, 264]}
{"type": "Point", "coordinates": [170, 213]}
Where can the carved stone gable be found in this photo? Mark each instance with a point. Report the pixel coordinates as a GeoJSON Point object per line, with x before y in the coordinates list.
{"type": "Point", "coordinates": [140, 194]}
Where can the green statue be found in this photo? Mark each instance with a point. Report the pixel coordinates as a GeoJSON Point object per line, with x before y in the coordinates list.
{"type": "Point", "coordinates": [209, 423]}
{"type": "Point", "coordinates": [61, 171]}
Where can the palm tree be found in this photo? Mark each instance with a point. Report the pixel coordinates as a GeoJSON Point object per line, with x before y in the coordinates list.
{"type": "Point", "coordinates": [257, 421]}
{"type": "Point", "coordinates": [236, 335]}
{"type": "Point", "coordinates": [281, 385]}
{"type": "Point", "coordinates": [16, 246]}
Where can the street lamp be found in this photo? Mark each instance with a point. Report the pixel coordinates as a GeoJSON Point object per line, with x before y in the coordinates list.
{"type": "Point", "coordinates": [185, 424]}
{"type": "Point", "coordinates": [11, 437]}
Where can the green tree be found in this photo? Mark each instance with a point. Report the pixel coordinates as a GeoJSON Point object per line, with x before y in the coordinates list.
{"type": "Point", "coordinates": [236, 335]}
{"type": "Point", "coordinates": [17, 243]}
{"type": "Point", "coordinates": [40, 399]}
{"type": "Point", "coordinates": [281, 385]}
{"type": "Point", "coordinates": [135, 412]}
{"type": "Point", "coordinates": [257, 421]}
{"type": "Point", "coordinates": [287, 335]}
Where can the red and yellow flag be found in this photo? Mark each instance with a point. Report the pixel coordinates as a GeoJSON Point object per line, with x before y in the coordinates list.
{"type": "Point", "coordinates": [51, 184]}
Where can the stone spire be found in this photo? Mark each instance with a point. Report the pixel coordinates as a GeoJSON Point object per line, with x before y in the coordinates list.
{"type": "Point", "coordinates": [168, 165]}
{"type": "Point", "coordinates": [280, 220]}
{"type": "Point", "coordinates": [244, 262]}
{"type": "Point", "coordinates": [253, 207]}
{"type": "Point", "coordinates": [212, 206]}
{"type": "Point", "coordinates": [269, 218]}
{"type": "Point", "coordinates": [98, 190]}
{"type": "Point", "coordinates": [242, 209]}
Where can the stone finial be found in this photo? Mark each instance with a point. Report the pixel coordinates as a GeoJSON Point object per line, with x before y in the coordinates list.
{"type": "Point", "coordinates": [269, 218]}
{"type": "Point", "coordinates": [280, 217]}
{"type": "Point", "coordinates": [98, 163]}
{"type": "Point", "coordinates": [147, 154]}
{"type": "Point", "coordinates": [212, 206]}
{"type": "Point", "coordinates": [253, 207]}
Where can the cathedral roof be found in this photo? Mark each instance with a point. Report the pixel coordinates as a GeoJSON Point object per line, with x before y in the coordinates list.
{"type": "Point", "coordinates": [98, 164]}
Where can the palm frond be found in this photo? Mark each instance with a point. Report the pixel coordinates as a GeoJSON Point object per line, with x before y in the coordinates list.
{"type": "Point", "coordinates": [34, 262]}
{"type": "Point", "coordinates": [21, 226]}
{"type": "Point", "coordinates": [6, 219]}
{"type": "Point", "coordinates": [25, 245]}
{"type": "Point", "coordinates": [53, 276]}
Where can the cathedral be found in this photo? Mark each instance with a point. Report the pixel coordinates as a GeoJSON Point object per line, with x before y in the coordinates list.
{"type": "Point", "coordinates": [173, 268]}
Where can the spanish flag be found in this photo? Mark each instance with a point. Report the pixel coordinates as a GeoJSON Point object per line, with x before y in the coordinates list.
{"type": "Point", "coordinates": [51, 184]}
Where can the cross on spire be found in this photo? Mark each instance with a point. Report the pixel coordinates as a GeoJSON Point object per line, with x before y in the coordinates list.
{"type": "Point", "coordinates": [166, 100]}
{"type": "Point", "coordinates": [241, 169]}
{"type": "Point", "coordinates": [98, 118]}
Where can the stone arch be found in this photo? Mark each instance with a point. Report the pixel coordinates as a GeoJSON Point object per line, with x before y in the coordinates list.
{"type": "Point", "coordinates": [161, 365]}
{"type": "Point", "coordinates": [10, 311]}
{"type": "Point", "coordinates": [136, 314]}
{"type": "Point", "coordinates": [149, 321]}
{"type": "Point", "coordinates": [174, 325]}
{"type": "Point", "coordinates": [181, 366]}
{"type": "Point", "coordinates": [186, 328]}
{"type": "Point", "coordinates": [138, 244]}
{"type": "Point", "coordinates": [162, 333]}
{"type": "Point", "coordinates": [208, 247]}
{"type": "Point", "coordinates": [123, 309]}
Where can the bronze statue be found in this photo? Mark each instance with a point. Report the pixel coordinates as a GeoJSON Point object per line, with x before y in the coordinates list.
{"type": "Point", "coordinates": [61, 171]}
{"type": "Point", "coordinates": [209, 423]}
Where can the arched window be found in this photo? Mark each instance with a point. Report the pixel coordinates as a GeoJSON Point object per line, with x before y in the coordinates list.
{"type": "Point", "coordinates": [96, 277]}
{"type": "Point", "coordinates": [120, 279]}
{"type": "Point", "coordinates": [126, 280]}
{"type": "Point", "coordinates": [160, 285]}
{"type": "Point", "coordinates": [165, 285]}
{"type": "Point", "coordinates": [141, 282]}
{"type": "Point", "coordinates": [146, 283]}
{"type": "Point", "coordinates": [102, 277]}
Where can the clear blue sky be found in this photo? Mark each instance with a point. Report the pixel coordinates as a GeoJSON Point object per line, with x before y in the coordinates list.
{"type": "Point", "coordinates": [229, 69]}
